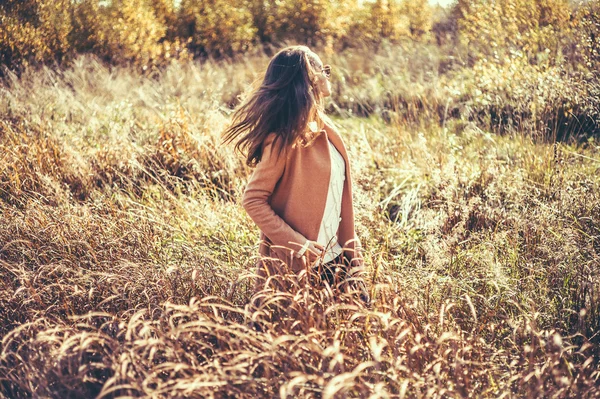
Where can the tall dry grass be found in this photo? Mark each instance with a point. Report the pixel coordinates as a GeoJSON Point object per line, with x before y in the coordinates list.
{"type": "Point", "coordinates": [126, 260]}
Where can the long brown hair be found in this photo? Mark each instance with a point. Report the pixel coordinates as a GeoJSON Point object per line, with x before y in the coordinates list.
{"type": "Point", "coordinates": [283, 104]}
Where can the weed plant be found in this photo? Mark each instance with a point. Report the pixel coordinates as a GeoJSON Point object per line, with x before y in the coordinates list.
{"type": "Point", "coordinates": [127, 261]}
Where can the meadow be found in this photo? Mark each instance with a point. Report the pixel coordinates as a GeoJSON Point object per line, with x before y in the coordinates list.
{"type": "Point", "coordinates": [126, 259]}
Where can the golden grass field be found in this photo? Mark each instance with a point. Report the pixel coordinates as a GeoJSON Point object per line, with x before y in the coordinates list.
{"type": "Point", "coordinates": [126, 259]}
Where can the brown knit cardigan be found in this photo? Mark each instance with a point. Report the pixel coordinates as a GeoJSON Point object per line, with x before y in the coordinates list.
{"type": "Point", "coordinates": [286, 198]}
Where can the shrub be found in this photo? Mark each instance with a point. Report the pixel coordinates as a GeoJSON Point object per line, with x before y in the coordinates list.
{"type": "Point", "coordinates": [539, 100]}
{"type": "Point", "coordinates": [588, 34]}
{"type": "Point", "coordinates": [382, 19]}
{"type": "Point", "coordinates": [390, 20]}
{"type": "Point", "coordinates": [166, 13]}
{"type": "Point", "coordinates": [33, 31]}
{"type": "Point", "coordinates": [216, 27]}
{"type": "Point", "coordinates": [419, 16]}
{"type": "Point", "coordinates": [130, 32]}
{"type": "Point", "coordinates": [127, 32]}
{"type": "Point", "coordinates": [86, 17]}
{"type": "Point", "coordinates": [495, 30]}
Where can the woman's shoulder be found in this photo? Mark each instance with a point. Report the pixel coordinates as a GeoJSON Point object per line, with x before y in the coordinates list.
{"type": "Point", "coordinates": [271, 137]}
{"type": "Point", "coordinates": [279, 143]}
{"type": "Point", "coordinates": [324, 120]}
{"type": "Point", "coordinates": [275, 145]}
{"type": "Point", "coordinates": [274, 141]}
{"type": "Point", "coordinates": [328, 124]}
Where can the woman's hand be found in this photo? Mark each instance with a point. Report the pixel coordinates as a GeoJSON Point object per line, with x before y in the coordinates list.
{"type": "Point", "coordinates": [314, 251]}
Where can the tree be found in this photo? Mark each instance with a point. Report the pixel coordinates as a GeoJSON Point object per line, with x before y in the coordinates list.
{"type": "Point", "coordinates": [499, 29]}
{"type": "Point", "coordinates": [217, 27]}
{"type": "Point", "coordinates": [34, 31]}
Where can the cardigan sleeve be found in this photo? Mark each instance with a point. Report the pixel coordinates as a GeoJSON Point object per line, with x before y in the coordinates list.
{"type": "Point", "coordinates": [256, 199]}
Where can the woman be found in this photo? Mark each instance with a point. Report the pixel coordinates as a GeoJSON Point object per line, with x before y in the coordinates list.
{"type": "Point", "coordinates": [300, 194]}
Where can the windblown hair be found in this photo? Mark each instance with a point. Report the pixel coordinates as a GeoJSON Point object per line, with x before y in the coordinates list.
{"type": "Point", "coordinates": [283, 104]}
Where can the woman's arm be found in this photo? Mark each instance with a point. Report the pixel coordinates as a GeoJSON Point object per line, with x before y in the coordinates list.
{"type": "Point", "coordinates": [256, 199]}
{"type": "Point", "coordinates": [353, 251]}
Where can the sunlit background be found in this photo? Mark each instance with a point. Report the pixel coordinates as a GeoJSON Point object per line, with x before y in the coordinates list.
{"type": "Point", "coordinates": [127, 260]}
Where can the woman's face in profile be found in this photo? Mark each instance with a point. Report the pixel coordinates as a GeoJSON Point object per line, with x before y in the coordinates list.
{"type": "Point", "coordinates": [322, 83]}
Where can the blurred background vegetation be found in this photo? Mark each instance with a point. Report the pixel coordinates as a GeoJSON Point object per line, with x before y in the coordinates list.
{"type": "Point", "coordinates": [154, 32]}
{"type": "Point", "coordinates": [126, 259]}
{"type": "Point", "coordinates": [526, 64]}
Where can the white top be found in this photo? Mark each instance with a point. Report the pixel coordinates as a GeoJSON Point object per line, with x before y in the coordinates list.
{"type": "Point", "coordinates": [333, 209]}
